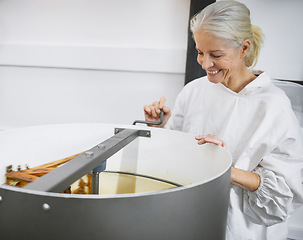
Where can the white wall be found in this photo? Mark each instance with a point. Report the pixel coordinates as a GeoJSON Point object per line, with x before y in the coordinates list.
{"type": "Point", "coordinates": [281, 22]}
{"type": "Point", "coordinates": [130, 23]}
{"type": "Point", "coordinates": [33, 96]}
{"type": "Point", "coordinates": [89, 60]}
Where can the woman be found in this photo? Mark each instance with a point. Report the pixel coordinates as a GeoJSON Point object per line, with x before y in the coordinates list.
{"type": "Point", "coordinates": [246, 114]}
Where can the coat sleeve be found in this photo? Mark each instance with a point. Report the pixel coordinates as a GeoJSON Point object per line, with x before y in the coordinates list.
{"type": "Point", "coordinates": [280, 191]}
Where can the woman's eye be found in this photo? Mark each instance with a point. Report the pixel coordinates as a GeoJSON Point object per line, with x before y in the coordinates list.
{"type": "Point", "coordinates": [217, 56]}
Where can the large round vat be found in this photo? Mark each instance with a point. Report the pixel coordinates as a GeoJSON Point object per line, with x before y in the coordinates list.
{"type": "Point", "coordinates": [195, 210]}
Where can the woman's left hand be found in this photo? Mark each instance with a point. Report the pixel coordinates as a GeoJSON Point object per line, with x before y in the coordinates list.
{"type": "Point", "coordinates": [210, 139]}
{"type": "Point", "coordinates": [244, 179]}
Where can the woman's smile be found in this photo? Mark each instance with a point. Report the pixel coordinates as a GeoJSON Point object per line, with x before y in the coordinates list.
{"type": "Point", "coordinates": [212, 72]}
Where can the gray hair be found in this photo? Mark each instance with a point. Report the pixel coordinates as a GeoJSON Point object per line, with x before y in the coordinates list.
{"type": "Point", "coordinates": [230, 20]}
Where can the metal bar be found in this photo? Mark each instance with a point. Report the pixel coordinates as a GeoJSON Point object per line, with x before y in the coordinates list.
{"type": "Point", "coordinates": [146, 176]}
{"type": "Point", "coordinates": [61, 178]}
{"type": "Point", "coordinates": [95, 182]}
{"type": "Point", "coordinates": [95, 177]}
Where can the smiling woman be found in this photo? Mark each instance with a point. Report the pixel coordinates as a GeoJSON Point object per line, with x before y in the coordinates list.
{"type": "Point", "coordinates": [222, 63]}
{"type": "Point", "coordinates": [246, 114]}
{"type": "Point", "coordinates": [234, 31]}
{"type": "Point", "coordinates": [227, 48]}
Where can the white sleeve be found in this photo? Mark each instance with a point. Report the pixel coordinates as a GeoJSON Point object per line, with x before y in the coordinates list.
{"type": "Point", "coordinates": [280, 191]}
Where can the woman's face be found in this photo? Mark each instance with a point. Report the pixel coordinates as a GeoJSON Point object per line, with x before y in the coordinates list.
{"type": "Point", "coordinates": [221, 62]}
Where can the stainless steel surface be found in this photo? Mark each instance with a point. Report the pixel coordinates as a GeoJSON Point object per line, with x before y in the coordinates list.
{"type": "Point", "coordinates": [197, 210]}
{"type": "Point", "coordinates": [193, 213]}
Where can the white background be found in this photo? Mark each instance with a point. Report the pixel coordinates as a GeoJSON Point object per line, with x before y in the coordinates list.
{"type": "Point", "coordinates": [102, 60]}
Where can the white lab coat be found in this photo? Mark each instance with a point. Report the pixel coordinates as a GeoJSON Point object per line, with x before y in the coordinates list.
{"type": "Point", "coordinates": [263, 136]}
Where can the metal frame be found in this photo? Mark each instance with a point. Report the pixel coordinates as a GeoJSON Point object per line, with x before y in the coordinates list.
{"type": "Point", "coordinates": [61, 178]}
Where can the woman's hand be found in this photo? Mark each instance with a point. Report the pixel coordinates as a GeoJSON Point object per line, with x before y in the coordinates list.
{"type": "Point", "coordinates": [241, 178]}
{"type": "Point", "coordinates": [152, 112]}
{"type": "Point", "coordinates": [210, 139]}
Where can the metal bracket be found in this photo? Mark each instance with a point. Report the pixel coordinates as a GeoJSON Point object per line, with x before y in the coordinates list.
{"type": "Point", "coordinates": [142, 133]}
{"type": "Point", "coordinates": [61, 178]}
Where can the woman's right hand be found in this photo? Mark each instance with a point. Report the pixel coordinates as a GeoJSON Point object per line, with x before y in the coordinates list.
{"type": "Point", "coordinates": [152, 112]}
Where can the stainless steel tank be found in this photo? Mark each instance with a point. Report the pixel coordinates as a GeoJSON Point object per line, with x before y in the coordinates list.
{"type": "Point", "coordinates": [196, 210]}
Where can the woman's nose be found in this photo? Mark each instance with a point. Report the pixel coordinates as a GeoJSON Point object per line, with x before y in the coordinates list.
{"type": "Point", "coordinates": [205, 62]}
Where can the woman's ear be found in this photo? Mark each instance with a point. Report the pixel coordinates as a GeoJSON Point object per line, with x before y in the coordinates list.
{"type": "Point", "coordinates": [245, 47]}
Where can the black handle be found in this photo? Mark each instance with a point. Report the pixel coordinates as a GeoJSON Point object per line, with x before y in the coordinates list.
{"type": "Point", "coordinates": [151, 123]}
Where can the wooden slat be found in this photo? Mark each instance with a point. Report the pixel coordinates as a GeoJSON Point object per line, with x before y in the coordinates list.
{"type": "Point", "coordinates": [21, 176]}
{"type": "Point", "coordinates": [38, 171]}
{"type": "Point", "coordinates": [57, 163]}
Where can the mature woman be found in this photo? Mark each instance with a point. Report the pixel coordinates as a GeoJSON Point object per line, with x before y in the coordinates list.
{"type": "Point", "coordinates": [246, 114]}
